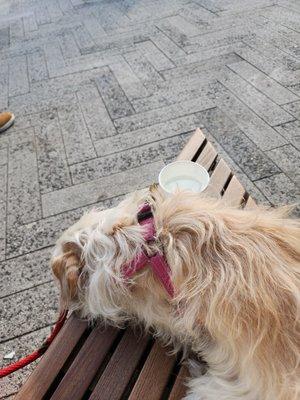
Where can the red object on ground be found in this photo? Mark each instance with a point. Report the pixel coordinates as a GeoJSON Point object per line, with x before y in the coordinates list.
{"type": "Point", "coordinates": [9, 369]}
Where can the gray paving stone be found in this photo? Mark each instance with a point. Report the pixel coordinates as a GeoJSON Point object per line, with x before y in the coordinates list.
{"type": "Point", "coordinates": [24, 272]}
{"type": "Point", "coordinates": [179, 91]}
{"type": "Point", "coordinates": [22, 346]}
{"type": "Point", "coordinates": [200, 67]}
{"type": "Point", "coordinates": [158, 115]}
{"type": "Point", "coordinates": [209, 53]}
{"type": "Point", "coordinates": [54, 57]}
{"type": "Point", "coordinates": [263, 83]}
{"type": "Point", "coordinates": [293, 5]}
{"type": "Point", "coordinates": [54, 10]}
{"type": "Point", "coordinates": [3, 153]}
{"type": "Point", "coordinates": [99, 189]}
{"type": "Point", "coordinates": [291, 131]}
{"type": "Point", "coordinates": [154, 55]}
{"type": "Point", "coordinates": [4, 37]}
{"type": "Point", "coordinates": [293, 108]}
{"type": "Point", "coordinates": [135, 138]}
{"type": "Point", "coordinates": [37, 69]}
{"type": "Point", "coordinates": [167, 46]}
{"type": "Point", "coordinates": [83, 38]}
{"type": "Point", "coordinates": [20, 308]}
{"type": "Point", "coordinates": [264, 136]}
{"type": "Point", "coordinates": [16, 30]}
{"type": "Point", "coordinates": [258, 59]}
{"type": "Point", "coordinates": [41, 14]}
{"type": "Point", "coordinates": [244, 7]}
{"type": "Point", "coordinates": [146, 11]}
{"type": "Point", "coordinates": [209, 5]}
{"type": "Point", "coordinates": [110, 17]}
{"type": "Point", "coordinates": [69, 46]}
{"type": "Point", "coordinates": [87, 62]}
{"type": "Point", "coordinates": [52, 93]}
{"type": "Point", "coordinates": [23, 186]}
{"type": "Point", "coordinates": [280, 190]}
{"type": "Point", "coordinates": [213, 22]}
{"type": "Point", "coordinates": [3, 195]}
{"type": "Point", "coordinates": [34, 104]}
{"type": "Point", "coordinates": [126, 160]}
{"type": "Point", "coordinates": [128, 80]}
{"type": "Point", "coordinates": [94, 29]}
{"type": "Point", "coordinates": [43, 233]}
{"type": "Point", "coordinates": [288, 160]}
{"type": "Point", "coordinates": [77, 3]}
{"type": "Point", "coordinates": [113, 96]}
{"type": "Point", "coordinates": [280, 36]}
{"type": "Point", "coordinates": [18, 77]}
{"type": "Point", "coordinates": [76, 137]}
{"type": "Point", "coordinates": [143, 69]}
{"type": "Point", "coordinates": [174, 33]}
{"type": "Point", "coordinates": [65, 5]}
{"type": "Point", "coordinates": [253, 162]}
{"type": "Point", "coordinates": [3, 85]}
{"type": "Point", "coordinates": [30, 23]}
{"type": "Point", "coordinates": [95, 113]}
{"type": "Point", "coordinates": [51, 157]}
{"type": "Point", "coordinates": [255, 100]}
{"type": "Point", "coordinates": [120, 43]}
{"type": "Point", "coordinates": [285, 75]}
{"type": "Point", "coordinates": [196, 13]}
{"type": "Point", "coordinates": [283, 16]}
{"type": "Point", "coordinates": [170, 96]}
{"type": "Point", "coordinates": [221, 38]}
{"type": "Point", "coordinates": [186, 27]}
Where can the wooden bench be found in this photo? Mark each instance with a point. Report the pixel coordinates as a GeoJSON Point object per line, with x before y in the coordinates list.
{"type": "Point", "coordinates": [96, 364]}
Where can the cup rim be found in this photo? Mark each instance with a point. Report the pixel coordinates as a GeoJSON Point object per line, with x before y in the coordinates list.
{"type": "Point", "coordinates": [182, 162]}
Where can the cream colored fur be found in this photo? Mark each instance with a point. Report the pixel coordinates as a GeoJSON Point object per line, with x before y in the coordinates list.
{"type": "Point", "coordinates": [236, 276]}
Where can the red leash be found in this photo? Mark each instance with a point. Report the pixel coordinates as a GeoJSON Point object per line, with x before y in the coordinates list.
{"type": "Point", "coordinates": [38, 353]}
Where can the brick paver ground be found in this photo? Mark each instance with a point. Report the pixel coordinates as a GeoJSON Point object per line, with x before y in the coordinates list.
{"type": "Point", "coordinates": [106, 92]}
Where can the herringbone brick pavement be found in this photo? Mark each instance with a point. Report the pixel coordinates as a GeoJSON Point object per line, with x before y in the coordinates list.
{"type": "Point", "coordinates": [106, 92]}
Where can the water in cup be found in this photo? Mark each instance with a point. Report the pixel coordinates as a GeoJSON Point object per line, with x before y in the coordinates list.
{"type": "Point", "coordinates": [183, 183]}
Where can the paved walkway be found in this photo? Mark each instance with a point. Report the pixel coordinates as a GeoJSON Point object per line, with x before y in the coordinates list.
{"type": "Point", "coordinates": [105, 92]}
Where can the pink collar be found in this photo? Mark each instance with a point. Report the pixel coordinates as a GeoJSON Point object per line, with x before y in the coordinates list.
{"type": "Point", "coordinates": [157, 262]}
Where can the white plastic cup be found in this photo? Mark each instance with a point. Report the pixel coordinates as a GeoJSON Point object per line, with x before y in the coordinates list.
{"type": "Point", "coordinates": [183, 176]}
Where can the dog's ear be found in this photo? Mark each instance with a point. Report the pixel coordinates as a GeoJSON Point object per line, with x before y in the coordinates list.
{"type": "Point", "coordinates": [66, 268]}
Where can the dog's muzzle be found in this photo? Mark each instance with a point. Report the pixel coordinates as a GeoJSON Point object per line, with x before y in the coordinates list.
{"type": "Point", "coordinates": [157, 261]}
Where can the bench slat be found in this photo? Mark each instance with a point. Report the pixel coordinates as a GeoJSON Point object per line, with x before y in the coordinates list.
{"type": "Point", "coordinates": [179, 388]}
{"type": "Point", "coordinates": [234, 193]}
{"type": "Point", "coordinates": [53, 360]}
{"type": "Point", "coordinates": [120, 368]}
{"type": "Point", "coordinates": [192, 146]}
{"type": "Point", "coordinates": [88, 360]}
{"type": "Point", "coordinates": [207, 156]}
{"type": "Point", "coordinates": [218, 178]}
{"type": "Point", "coordinates": [250, 204]}
{"type": "Point", "coordinates": [154, 375]}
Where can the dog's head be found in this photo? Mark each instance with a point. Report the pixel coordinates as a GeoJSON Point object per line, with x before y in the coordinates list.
{"type": "Point", "coordinates": [89, 257]}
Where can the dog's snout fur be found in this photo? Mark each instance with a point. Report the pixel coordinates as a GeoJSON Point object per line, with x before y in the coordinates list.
{"type": "Point", "coordinates": [66, 268]}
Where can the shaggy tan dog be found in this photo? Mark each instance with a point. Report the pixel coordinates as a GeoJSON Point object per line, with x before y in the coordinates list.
{"type": "Point", "coordinates": [236, 280]}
